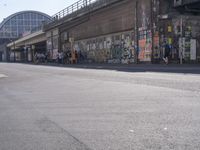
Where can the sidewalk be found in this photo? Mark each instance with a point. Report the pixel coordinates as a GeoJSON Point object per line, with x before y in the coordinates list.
{"type": "Point", "coordinates": [171, 68]}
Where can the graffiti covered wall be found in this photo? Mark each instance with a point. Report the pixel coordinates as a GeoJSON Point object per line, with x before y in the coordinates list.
{"type": "Point", "coordinates": [183, 35]}
{"type": "Point", "coordinates": [114, 48]}
{"type": "Point", "coordinates": [189, 41]}
{"type": "Point", "coordinates": [145, 35]}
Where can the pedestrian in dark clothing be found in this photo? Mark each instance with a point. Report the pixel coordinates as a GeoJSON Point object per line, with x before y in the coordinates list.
{"type": "Point", "coordinates": [76, 57]}
{"type": "Point", "coordinates": [46, 57]}
{"type": "Point", "coordinates": [167, 53]}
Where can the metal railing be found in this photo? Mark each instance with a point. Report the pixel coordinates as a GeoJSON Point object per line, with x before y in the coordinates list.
{"type": "Point", "coordinates": [185, 2]}
{"type": "Point", "coordinates": [178, 3]}
{"type": "Point", "coordinates": [79, 5]}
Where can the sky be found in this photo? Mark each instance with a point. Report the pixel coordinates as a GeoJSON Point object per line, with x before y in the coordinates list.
{"type": "Point", "coordinates": [50, 7]}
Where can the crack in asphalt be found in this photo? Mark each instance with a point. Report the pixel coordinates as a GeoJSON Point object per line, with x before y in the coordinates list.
{"type": "Point", "coordinates": [49, 126]}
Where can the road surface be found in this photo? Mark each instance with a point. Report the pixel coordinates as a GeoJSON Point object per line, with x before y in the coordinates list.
{"type": "Point", "coordinates": [58, 108]}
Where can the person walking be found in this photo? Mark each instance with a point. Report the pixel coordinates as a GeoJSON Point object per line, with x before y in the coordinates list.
{"type": "Point", "coordinates": [36, 58]}
{"type": "Point", "coordinates": [76, 57]}
{"type": "Point", "coordinates": [167, 53]}
{"type": "Point", "coordinates": [62, 57]}
{"type": "Point", "coordinates": [59, 58]}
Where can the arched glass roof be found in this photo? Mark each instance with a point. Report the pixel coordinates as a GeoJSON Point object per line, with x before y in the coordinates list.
{"type": "Point", "coordinates": [22, 22]}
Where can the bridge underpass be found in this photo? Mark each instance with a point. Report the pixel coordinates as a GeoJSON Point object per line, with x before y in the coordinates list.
{"type": "Point", "coordinates": [24, 49]}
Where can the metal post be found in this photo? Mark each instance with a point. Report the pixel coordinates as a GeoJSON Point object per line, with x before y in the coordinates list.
{"type": "Point", "coordinates": [152, 30]}
{"type": "Point", "coordinates": [136, 33]}
{"type": "Point", "coordinates": [181, 53]}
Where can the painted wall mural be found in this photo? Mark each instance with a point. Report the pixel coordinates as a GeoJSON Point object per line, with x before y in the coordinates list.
{"type": "Point", "coordinates": [145, 45]}
{"type": "Point", "coordinates": [185, 39]}
{"type": "Point", "coordinates": [115, 48]}
{"type": "Point", "coordinates": [145, 36]}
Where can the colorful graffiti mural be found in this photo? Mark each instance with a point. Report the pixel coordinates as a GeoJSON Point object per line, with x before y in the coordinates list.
{"type": "Point", "coordinates": [182, 35]}
{"type": "Point", "coordinates": [116, 48]}
{"type": "Point", "coordinates": [145, 45]}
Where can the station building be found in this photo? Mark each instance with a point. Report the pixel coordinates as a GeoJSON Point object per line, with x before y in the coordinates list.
{"type": "Point", "coordinates": [18, 25]}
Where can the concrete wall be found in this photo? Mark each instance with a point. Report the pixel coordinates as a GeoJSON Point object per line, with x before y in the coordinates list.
{"type": "Point", "coordinates": [109, 35]}
{"type": "Point", "coordinates": [116, 18]}
{"type": "Point", "coordinates": [181, 30]}
{"type": "Point", "coordinates": [105, 35]}
{"type": "Point", "coordinates": [189, 42]}
{"type": "Point", "coordinates": [52, 42]}
{"type": "Point", "coordinates": [111, 48]}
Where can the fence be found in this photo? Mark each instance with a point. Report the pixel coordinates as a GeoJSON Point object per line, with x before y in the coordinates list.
{"type": "Point", "coordinates": [81, 7]}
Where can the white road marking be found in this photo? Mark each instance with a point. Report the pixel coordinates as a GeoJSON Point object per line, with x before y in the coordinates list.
{"type": "Point", "coordinates": [3, 76]}
{"type": "Point", "coordinates": [131, 131]}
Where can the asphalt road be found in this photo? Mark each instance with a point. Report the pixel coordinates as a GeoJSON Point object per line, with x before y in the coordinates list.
{"type": "Point", "coordinates": [58, 108]}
